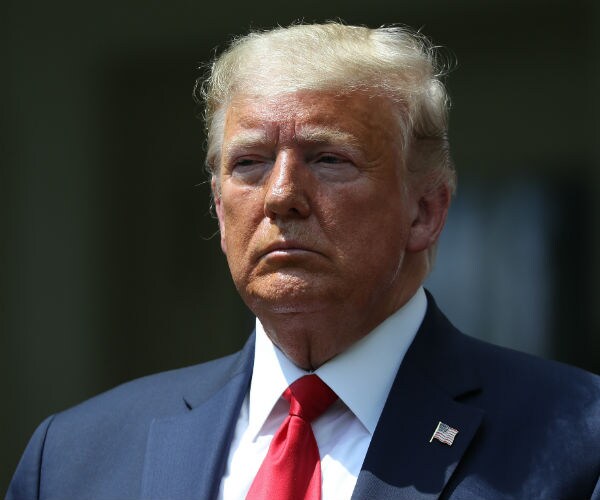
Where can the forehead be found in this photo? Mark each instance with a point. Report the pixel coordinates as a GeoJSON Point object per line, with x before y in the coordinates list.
{"type": "Point", "coordinates": [311, 116]}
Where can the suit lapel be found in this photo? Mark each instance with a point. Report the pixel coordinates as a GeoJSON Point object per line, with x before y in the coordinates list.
{"type": "Point", "coordinates": [186, 454]}
{"type": "Point", "coordinates": [401, 462]}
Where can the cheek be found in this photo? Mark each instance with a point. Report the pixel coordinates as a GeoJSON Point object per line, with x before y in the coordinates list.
{"type": "Point", "coordinates": [236, 231]}
{"type": "Point", "coordinates": [369, 226]}
{"type": "Point", "coordinates": [240, 215]}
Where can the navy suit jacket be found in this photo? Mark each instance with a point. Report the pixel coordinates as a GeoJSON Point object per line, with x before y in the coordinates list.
{"type": "Point", "coordinates": [527, 428]}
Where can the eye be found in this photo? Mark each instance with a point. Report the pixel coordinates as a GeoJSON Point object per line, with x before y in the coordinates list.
{"type": "Point", "coordinates": [249, 169]}
{"type": "Point", "coordinates": [334, 167]}
{"type": "Point", "coordinates": [245, 162]}
{"type": "Point", "coordinates": [331, 159]}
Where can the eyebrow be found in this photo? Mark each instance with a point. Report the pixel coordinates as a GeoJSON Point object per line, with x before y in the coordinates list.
{"type": "Point", "coordinates": [307, 134]}
{"type": "Point", "coordinates": [244, 139]}
{"type": "Point", "coordinates": [329, 136]}
{"type": "Point", "coordinates": [326, 135]}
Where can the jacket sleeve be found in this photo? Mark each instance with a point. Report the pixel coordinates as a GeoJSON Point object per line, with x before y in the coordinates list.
{"type": "Point", "coordinates": [25, 484]}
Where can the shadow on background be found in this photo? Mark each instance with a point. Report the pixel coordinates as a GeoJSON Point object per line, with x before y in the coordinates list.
{"type": "Point", "coordinates": [109, 271]}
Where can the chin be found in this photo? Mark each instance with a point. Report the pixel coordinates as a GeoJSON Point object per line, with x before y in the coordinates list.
{"type": "Point", "coordinates": [286, 294]}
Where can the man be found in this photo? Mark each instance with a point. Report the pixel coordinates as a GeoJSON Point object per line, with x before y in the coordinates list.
{"type": "Point", "coordinates": [331, 177]}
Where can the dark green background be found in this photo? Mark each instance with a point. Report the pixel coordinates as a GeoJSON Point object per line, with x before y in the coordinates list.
{"type": "Point", "coordinates": [107, 266]}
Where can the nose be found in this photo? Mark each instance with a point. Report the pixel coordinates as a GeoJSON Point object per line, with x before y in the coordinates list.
{"type": "Point", "coordinates": [287, 189]}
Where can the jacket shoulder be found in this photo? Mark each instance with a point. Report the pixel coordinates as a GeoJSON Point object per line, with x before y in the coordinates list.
{"type": "Point", "coordinates": [533, 376]}
{"type": "Point", "coordinates": [501, 370]}
{"type": "Point", "coordinates": [159, 394]}
{"type": "Point", "coordinates": [104, 439]}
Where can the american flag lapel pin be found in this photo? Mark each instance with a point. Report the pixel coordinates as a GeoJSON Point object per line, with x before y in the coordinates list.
{"type": "Point", "coordinates": [444, 434]}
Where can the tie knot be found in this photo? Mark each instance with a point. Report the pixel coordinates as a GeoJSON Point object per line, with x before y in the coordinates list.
{"type": "Point", "coordinates": [309, 397]}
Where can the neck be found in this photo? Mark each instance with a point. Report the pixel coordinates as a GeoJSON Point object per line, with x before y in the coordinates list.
{"type": "Point", "coordinates": [311, 339]}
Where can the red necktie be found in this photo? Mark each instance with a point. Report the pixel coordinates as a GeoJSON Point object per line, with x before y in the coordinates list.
{"type": "Point", "coordinates": [292, 468]}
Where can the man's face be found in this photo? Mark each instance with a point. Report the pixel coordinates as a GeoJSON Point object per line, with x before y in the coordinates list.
{"type": "Point", "coordinates": [315, 215]}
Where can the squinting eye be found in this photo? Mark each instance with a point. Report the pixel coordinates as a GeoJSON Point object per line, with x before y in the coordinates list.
{"type": "Point", "coordinates": [330, 159]}
{"type": "Point", "coordinates": [333, 167]}
{"type": "Point", "coordinates": [249, 170]}
{"type": "Point", "coordinates": [246, 162]}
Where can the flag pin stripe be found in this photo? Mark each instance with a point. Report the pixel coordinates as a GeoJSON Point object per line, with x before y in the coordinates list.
{"type": "Point", "coordinates": [444, 434]}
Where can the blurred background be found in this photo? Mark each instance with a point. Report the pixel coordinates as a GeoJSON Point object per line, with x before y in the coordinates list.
{"type": "Point", "coordinates": [108, 265]}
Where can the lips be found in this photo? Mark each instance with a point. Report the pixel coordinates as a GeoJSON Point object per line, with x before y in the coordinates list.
{"type": "Point", "coordinates": [287, 248]}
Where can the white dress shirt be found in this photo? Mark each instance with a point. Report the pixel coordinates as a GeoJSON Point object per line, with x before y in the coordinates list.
{"type": "Point", "coordinates": [361, 377]}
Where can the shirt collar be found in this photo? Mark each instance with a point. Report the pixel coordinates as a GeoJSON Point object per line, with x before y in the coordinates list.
{"type": "Point", "coordinates": [361, 376]}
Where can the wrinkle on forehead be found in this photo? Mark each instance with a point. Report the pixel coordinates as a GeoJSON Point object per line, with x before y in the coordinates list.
{"type": "Point", "coordinates": [359, 123]}
{"type": "Point", "coordinates": [371, 113]}
{"type": "Point", "coordinates": [299, 105]}
{"type": "Point", "coordinates": [320, 110]}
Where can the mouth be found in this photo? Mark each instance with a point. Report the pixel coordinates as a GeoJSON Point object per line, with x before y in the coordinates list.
{"type": "Point", "coordinates": [287, 249]}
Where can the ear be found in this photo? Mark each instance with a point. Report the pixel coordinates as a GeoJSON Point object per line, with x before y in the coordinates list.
{"type": "Point", "coordinates": [430, 216]}
{"type": "Point", "coordinates": [219, 209]}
